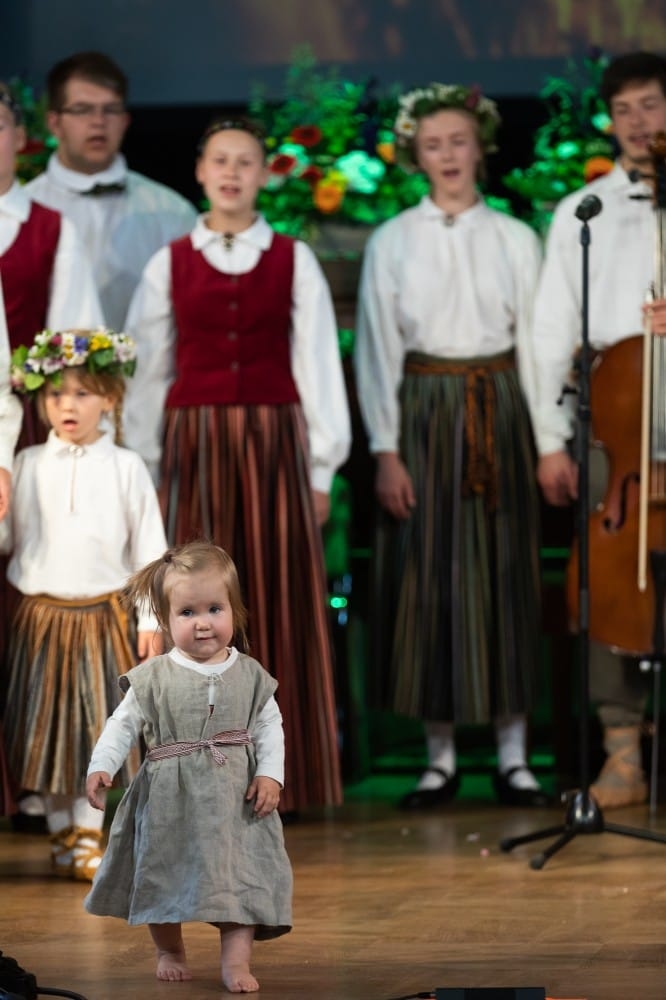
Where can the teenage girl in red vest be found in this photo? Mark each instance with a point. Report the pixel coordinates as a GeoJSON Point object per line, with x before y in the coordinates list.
{"type": "Point", "coordinates": [240, 403]}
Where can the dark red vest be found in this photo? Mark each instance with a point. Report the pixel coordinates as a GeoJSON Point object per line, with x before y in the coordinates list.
{"type": "Point", "coordinates": [25, 269]}
{"type": "Point", "coordinates": [232, 330]}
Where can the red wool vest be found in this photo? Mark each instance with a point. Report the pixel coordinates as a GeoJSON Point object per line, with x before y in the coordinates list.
{"type": "Point", "coordinates": [25, 269]}
{"type": "Point", "coordinates": [232, 344]}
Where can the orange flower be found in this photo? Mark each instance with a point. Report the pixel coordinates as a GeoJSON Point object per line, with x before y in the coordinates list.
{"type": "Point", "coordinates": [305, 135]}
{"type": "Point", "coordinates": [595, 167]}
{"type": "Point", "coordinates": [328, 197]}
{"type": "Point", "coordinates": [386, 151]}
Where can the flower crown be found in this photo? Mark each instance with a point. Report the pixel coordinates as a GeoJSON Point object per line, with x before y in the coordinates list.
{"type": "Point", "coordinates": [100, 352]}
{"type": "Point", "coordinates": [440, 97]}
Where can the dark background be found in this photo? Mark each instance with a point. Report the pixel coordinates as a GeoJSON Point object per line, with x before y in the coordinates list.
{"type": "Point", "coordinates": [211, 51]}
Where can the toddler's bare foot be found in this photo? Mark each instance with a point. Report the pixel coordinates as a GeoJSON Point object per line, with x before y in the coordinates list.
{"type": "Point", "coordinates": [239, 979]}
{"type": "Point", "coordinates": [172, 966]}
{"type": "Point", "coordinates": [236, 954]}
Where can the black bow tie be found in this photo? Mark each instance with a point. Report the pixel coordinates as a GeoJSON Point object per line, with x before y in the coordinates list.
{"type": "Point", "coordinates": [101, 189]}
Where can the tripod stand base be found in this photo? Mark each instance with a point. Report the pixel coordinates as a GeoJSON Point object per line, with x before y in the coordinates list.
{"type": "Point", "coordinates": [583, 817]}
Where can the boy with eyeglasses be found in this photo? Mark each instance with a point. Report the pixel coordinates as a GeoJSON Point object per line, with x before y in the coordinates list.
{"type": "Point", "coordinates": [122, 216]}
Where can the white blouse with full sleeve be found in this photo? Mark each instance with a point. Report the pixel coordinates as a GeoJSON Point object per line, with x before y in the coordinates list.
{"type": "Point", "coordinates": [315, 358]}
{"type": "Point", "coordinates": [621, 269]}
{"type": "Point", "coordinates": [73, 302]}
{"type": "Point", "coordinates": [83, 519]}
{"type": "Point", "coordinates": [456, 290]}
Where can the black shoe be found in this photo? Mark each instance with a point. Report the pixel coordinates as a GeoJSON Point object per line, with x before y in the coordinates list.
{"type": "Point", "coordinates": [429, 798]}
{"type": "Point", "coordinates": [509, 795]}
{"type": "Point", "coordinates": [25, 823]}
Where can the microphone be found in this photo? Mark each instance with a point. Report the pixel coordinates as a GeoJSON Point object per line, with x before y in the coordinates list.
{"type": "Point", "coordinates": [588, 208]}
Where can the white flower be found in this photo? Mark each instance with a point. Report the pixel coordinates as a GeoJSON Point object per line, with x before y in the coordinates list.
{"type": "Point", "coordinates": [50, 365]}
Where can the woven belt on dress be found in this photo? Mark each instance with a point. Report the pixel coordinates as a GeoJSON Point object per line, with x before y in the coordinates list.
{"type": "Point", "coordinates": [232, 737]}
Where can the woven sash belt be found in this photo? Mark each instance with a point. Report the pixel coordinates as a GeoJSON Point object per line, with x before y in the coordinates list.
{"type": "Point", "coordinates": [480, 399]}
{"type": "Point", "coordinates": [232, 737]}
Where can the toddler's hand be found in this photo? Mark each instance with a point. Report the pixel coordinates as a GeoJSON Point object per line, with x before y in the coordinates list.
{"type": "Point", "coordinates": [97, 780]}
{"type": "Point", "coordinates": [266, 792]}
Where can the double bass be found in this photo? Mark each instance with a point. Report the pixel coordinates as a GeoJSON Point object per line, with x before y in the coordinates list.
{"type": "Point", "coordinates": [627, 531]}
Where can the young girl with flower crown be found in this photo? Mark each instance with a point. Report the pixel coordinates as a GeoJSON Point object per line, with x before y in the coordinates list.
{"type": "Point", "coordinates": [444, 367]}
{"type": "Point", "coordinates": [197, 835]}
{"type": "Point", "coordinates": [84, 516]}
{"type": "Point", "coordinates": [240, 402]}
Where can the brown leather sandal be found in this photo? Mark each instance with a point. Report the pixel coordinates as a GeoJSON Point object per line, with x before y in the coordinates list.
{"type": "Point", "coordinates": [62, 843]}
{"type": "Point", "coordinates": [86, 853]}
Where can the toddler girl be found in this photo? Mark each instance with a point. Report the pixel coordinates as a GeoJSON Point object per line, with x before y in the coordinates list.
{"type": "Point", "coordinates": [84, 517]}
{"type": "Point", "coordinates": [196, 836]}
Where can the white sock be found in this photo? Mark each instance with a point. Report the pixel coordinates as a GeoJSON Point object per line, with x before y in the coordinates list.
{"type": "Point", "coordinates": [85, 815]}
{"type": "Point", "coordinates": [31, 805]}
{"type": "Point", "coordinates": [511, 733]}
{"type": "Point", "coordinates": [58, 810]}
{"type": "Point", "coordinates": [441, 753]}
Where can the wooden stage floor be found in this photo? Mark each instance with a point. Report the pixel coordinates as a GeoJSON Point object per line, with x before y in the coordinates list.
{"type": "Point", "coordinates": [386, 906]}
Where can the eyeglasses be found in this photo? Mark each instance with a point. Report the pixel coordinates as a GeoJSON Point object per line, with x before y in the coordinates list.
{"type": "Point", "coordinates": [93, 110]}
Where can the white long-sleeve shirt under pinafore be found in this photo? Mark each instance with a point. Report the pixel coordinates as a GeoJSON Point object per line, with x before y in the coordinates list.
{"type": "Point", "coordinates": [120, 231]}
{"type": "Point", "coordinates": [83, 519]}
{"type": "Point", "coordinates": [73, 301]}
{"type": "Point", "coordinates": [454, 291]}
{"type": "Point", "coordinates": [124, 727]}
{"type": "Point", "coordinates": [315, 358]}
{"type": "Point", "coordinates": [621, 269]}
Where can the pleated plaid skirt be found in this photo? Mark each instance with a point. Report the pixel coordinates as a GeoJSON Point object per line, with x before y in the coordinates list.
{"type": "Point", "coordinates": [239, 476]}
{"type": "Point", "coordinates": [65, 659]}
{"type": "Point", "coordinates": [456, 585]}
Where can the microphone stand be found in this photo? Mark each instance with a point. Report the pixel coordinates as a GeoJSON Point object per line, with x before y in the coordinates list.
{"type": "Point", "coordinates": [583, 815]}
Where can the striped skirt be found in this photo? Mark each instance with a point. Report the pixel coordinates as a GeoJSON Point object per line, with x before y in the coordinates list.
{"type": "Point", "coordinates": [65, 659]}
{"type": "Point", "coordinates": [456, 585]}
{"type": "Point", "coordinates": [239, 476]}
